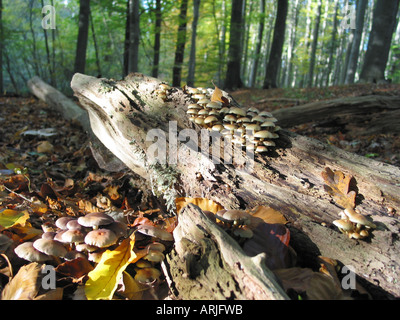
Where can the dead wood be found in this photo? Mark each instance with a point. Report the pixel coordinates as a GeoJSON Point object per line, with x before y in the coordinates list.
{"type": "Point", "coordinates": [123, 113]}
{"type": "Point", "coordinates": [373, 113]}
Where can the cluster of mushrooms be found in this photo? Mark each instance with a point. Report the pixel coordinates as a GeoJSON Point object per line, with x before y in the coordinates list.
{"type": "Point", "coordinates": [354, 224]}
{"type": "Point", "coordinates": [89, 236]}
{"type": "Point", "coordinates": [236, 222]}
{"type": "Point", "coordinates": [251, 128]}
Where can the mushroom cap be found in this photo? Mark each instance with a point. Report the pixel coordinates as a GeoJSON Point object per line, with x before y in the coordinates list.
{"type": "Point", "coordinates": [229, 118]}
{"type": "Point", "coordinates": [164, 86]}
{"type": "Point", "coordinates": [155, 232]}
{"type": "Point", "coordinates": [217, 127]}
{"type": "Point", "coordinates": [203, 101]}
{"type": "Point", "coordinates": [253, 109]}
{"type": "Point", "coordinates": [74, 225]}
{"type": "Point", "coordinates": [192, 111]}
{"type": "Point", "coordinates": [194, 106]}
{"type": "Point", "coordinates": [230, 127]}
{"type": "Point", "coordinates": [265, 114]}
{"type": "Point", "coordinates": [203, 112]}
{"type": "Point", "coordinates": [28, 252]}
{"type": "Point", "coordinates": [101, 238]}
{"type": "Point", "coordinates": [238, 216]}
{"type": "Point", "coordinates": [243, 232]}
{"type": "Point", "coordinates": [147, 275]}
{"type": "Point", "coordinates": [243, 119]}
{"type": "Point", "coordinates": [344, 224]}
{"type": "Point", "coordinates": [252, 126]}
{"type": "Point", "coordinates": [192, 90]}
{"type": "Point", "coordinates": [50, 247]}
{"type": "Point", "coordinates": [62, 222]}
{"type": "Point", "coordinates": [198, 96]}
{"type": "Point", "coordinates": [238, 111]}
{"type": "Point", "coordinates": [267, 124]}
{"type": "Point", "coordinates": [49, 235]}
{"type": "Point", "coordinates": [156, 246]}
{"type": "Point", "coordinates": [261, 149]}
{"type": "Point", "coordinates": [95, 219]}
{"type": "Point", "coordinates": [199, 120]}
{"type": "Point", "coordinates": [154, 256]}
{"type": "Point", "coordinates": [214, 105]}
{"type": "Point", "coordinates": [73, 236]}
{"type": "Point", "coordinates": [258, 118]}
{"type": "Point", "coordinates": [84, 247]}
{"type": "Point", "coordinates": [210, 119]}
{"type": "Point", "coordinates": [119, 228]}
{"type": "Point", "coordinates": [358, 218]}
{"type": "Point", "coordinates": [269, 143]}
{"type": "Point", "coordinates": [264, 134]}
{"type": "Point", "coordinates": [224, 110]}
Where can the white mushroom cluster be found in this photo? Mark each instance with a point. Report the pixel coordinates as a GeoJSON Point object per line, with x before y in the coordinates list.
{"type": "Point", "coordinates": [236, 222]}
{"type": "Point", "coordinates": [86, 237]}
{"type": "Point", "coordinates": [354, 224]}
{"type": "Point", "coordinates": [245, 127]}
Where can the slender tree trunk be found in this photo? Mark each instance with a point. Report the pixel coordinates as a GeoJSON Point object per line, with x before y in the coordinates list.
{"type": "Point", "coordinates": [134, 35]}
{"type": "Point", "coordinates": [221, 36]}
{"type": "Point", "coordinates": [333, 44]}
{"type": "Point", "coordinates": [34, 52]}
{"type": "Point", "coordinates": [379, 42]}
{"type": "Point", "coordinates": [232, 79]}
{"type": "Point", "coordinates": [157, 39]}
{"type": "Point", "coordinates": [355, 47]}
{"type": "Point", "coordinates": [83, 33]}
{"type": "Point", "coordinates": [1, 48]}
{"type": "Point", "coordinates": [126, 42]}
{"type": "Point", "coordinates": [292, 43]}
{"type": "Point", "coordinates": [254, 66]}
{"type": "Point", "coordinates": [49, 63]}
{"type": "Point", "coordinates": [246, 37]}
{"type": "Point", "coordinates": [96, 49]}
{"type": "Point", "coordinates": [314, 45]}
{"type": "Point", "coordinates": [274, 61]}
{"type": "Point", "coordinates": [180, 45]}
{"type": "Point", "coordinates": [192, 59]}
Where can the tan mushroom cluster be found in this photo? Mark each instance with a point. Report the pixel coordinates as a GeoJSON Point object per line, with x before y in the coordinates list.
{"type": "Point", "coordinates": [87, 237]}
{"type": "Point", "coordinates": [154, 239]}
{"type": "Point", "coordinates": [236, 222]}
{"type": "Point", "coordinates": [354, 224]}
{"type": "Point", "coordinates": [162, 91]}
{"type": "Point", "coordinates": [245, 127]}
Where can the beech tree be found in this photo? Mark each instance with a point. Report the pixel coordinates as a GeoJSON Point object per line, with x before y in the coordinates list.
{"type": "Point", "coordinates": [134, 35]}
{"type": "Point", "coordinates": [80, 57]}
{"type": "Point", "coordinates": [377, 54]}
{"type": "Point", "coordinates": [277, 46]}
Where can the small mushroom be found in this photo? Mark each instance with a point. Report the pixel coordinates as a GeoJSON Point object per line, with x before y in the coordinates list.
{"type": "Point", "coordinates": [238, 111]}
{"type": "Point", "coordinates": [28, 252]}
{"type": "Point", "coordinates": [119, 228]}
{"type": "Point", "coordinates": [217, 127]}
{"type": "Point", "coordinates": [358, 218]}
{"type": "Point", "coordinates": [84, 247]}
{"type": "Point", "coordinates": [74, 225]}
{"type": "Point", "coordinates": [344, 225]}
{"type": "Point", "coordinates": [50, 247]}
{"type": "Point", "coordinates": [143, 264]}
{"type": "Point", "coordinates": [210, 120]}
{"type": "Point", "coordinates": [49, 235]}
{"type": "Point", "coordinates": [154, 256]}
{"type": "Point", "coordinates": [73, 236]}
{"type": "Point", "coordinates": [95, 219]}
{"type": "Point", "coordinates": [147, 275]}
{"type": "Point", "coordinates": [155, 232]}
{"type": "Point", "coordinates": [235, 217]}
{"type": "Point", "coordinates": [243, 232]}
{"type": "Point", "coordinates": [214, 105]}
{"type": "Point", "coordinates": [156, 246]}
{"type": "Point", "coordinates": [261, 149]}
{"type": "Point", "coordinates": [265, 134]}
{"type": "Point", "coordinates": [62, 222]}
{"type": "Point", "coordinates": [265, 114]}
{"type": "Point", "coordinates": [101, 238]}
{"type": "Point", "coordinates": [268, 143]}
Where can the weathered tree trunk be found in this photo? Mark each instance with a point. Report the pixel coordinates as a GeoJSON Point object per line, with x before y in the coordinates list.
{"type": "Point", "coordinates": [80, 56]}
{"type": "Point", "coordinates": [123, 114]}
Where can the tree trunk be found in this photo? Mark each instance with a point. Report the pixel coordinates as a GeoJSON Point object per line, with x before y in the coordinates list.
{"type": "Point", "coordinates": [96, 49]}
{"type": "Point", "coordinates": [80, 57]}
{"type": "Point", "coordinates": [128, 115]}
{"type": "Point", "coordinates": [180, 45]}
{"type": "Point", "coordinates": [355, 47]}
{"type": "Point", "coordinates": [232, 79]}
{"type": "Point", "coordinates": [134, 35]}
{"type": "Point", "coordinates": [157, 39]}
{"type": "Point", "coordinates": [379, 42]}
{"type": "Point", "coordinates": [274, 61]}
{"type": "Point", "coordinates": [1, 48]}
{"type": "Point", "coordinates": [333, 44]}
{"type": "Point", "coordinates": [192, 59]}
{"type": "Point", "coordinates": [314, 45]}
{"type": "Point", "coordinates": [257, 52]}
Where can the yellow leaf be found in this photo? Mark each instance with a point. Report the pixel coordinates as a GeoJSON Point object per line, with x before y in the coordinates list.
{"type": "Point", "coordinates": [217, 95]}
{"type": "Point", "coordinates": [268, 214]}
{"type": "Point", "coordinates": [202, 203]}
{"type": "Point", "coordinates": [104, 279]}
{"type": "Point", "coordinates": [9, 217]}
{"type": "Point", "coordinates": [132, 290]}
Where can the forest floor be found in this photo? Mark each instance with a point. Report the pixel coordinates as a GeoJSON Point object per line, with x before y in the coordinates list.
{"type": "Point", "coordinates": [48, 158]}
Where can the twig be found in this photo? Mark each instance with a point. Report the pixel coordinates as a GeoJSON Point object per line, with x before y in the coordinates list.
{"type": "Point", "coordinates": [19, 195]}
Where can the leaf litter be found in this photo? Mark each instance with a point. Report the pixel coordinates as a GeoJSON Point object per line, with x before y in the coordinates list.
{"type": "Point", "coordinates": [47, 174]}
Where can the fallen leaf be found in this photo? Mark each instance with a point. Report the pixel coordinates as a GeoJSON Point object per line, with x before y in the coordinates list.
{"type": "Point", "coordinates": [268, 215]}
{"type": "Point", "coordinates": [131, 289]}
{"type": "Point", "coordinates": [104, 279]}
{"type": "Point", "coordinates": [202, 203]}
{"type": "Point", "coordinates": [218, 96]}
{"type": "Point", "coordinates": [25, 285]}
{"type": "Point", "coordinates": [338, 186]}
{"type": "Point", "coordinates": [9, 217]}
{"type": "Point", "coordinates": [45, 147]}
{"type": "Point", "coordinates": [75, 268]}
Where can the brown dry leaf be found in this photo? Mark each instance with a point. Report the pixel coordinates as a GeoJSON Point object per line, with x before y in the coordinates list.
{"type": "Point", "coordinates": [218, 96]}
{"type": "Point", "coordinates": [45, 147]}
{"type": "Point", "coordinates": [87, 206]}
{"type": "Point", "coordinates": [338, 185]}
{"type": "Point", "coordinates": [75, 268]}
{"type": "Point", "coordinates": [268, 215]}
{"type": "Point", "coordinates": [112, 192]}
{"type": "Point", "coordinates": [25, 285]}
{"type": "Point", "coordinates": [202, 203]}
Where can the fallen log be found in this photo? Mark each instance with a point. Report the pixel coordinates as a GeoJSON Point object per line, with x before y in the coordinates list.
{"type": "Point", "coordinates": [374, 113]}
{"type": "Point", "coordinates": [130, 114]}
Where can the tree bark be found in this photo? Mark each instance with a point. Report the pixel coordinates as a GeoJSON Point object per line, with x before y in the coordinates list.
{"type": "Point", "coordinates": [80, 57]}
{"type": "Point", "coordinates": [232, 79]}
{"type": "Point", "coordinates": [274, 61]}
{"type": "Point", "coordinates": [314, 45]}
{"type": "Point", "coordinates": [128, 116]}
{"type": "Point", "coordinates": [192, 59]}
{"type": "Point", "coordinates": [157, 39]}
{"type": "Point", "coordinates": [134, 36]}
{"type": "Point", "coordinates": [379, 42]}
{"type": "Point", "coordinates": [1, 48]}
{"type": "Point", "coordinates": [180, 45]}
{"type": "Point", "coordinates": [355, 47]}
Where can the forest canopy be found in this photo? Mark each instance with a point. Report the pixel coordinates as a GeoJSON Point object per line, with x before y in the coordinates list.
{"type": "Point", "coordinates": [316, 48]}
